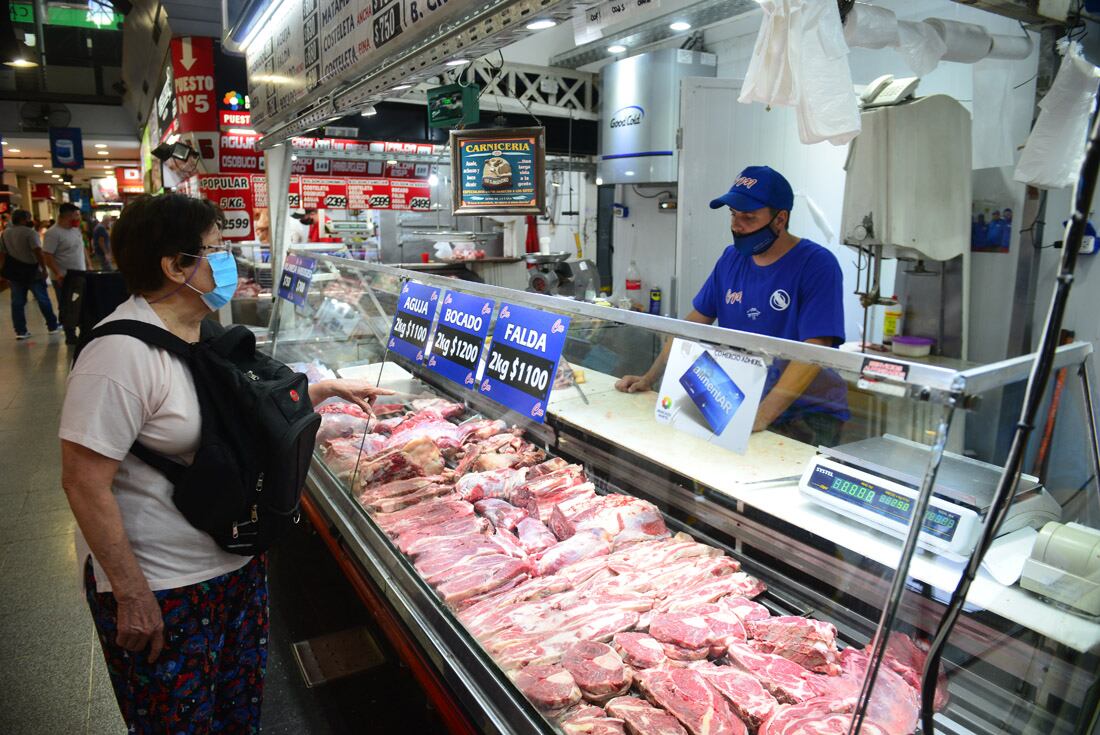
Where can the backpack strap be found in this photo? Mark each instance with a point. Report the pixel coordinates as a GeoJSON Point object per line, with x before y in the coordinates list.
{"type": "Point", "coordinates": [150, 334]}
{"type": "Point", "coordinates": [172, 470]}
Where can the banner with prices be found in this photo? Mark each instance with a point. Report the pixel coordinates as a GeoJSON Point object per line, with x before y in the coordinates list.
{"type": "Point", "coordinates": [369, 194]}
{"type": "Point", "coordinates": [193, 83]}
{"type": "Point", "coordinates": [523, 359]}
{"type": "Point", "coordinates": [297, 275]}
{"type": "Point", "coordinates": [459, 337]}
{"type": "Point", "coordinates": [318, 193]}
{"type": "Point", "coordinates": [416, 308]}
{"type": "Point", "coordinates": [234, 195]}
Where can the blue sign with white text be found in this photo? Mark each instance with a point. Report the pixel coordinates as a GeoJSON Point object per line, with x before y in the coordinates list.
{"type": "Point", "coordinates": [297, 275]}
{"type": "Point", "coordinates": [66, 148]}
{"type": "Point", "coordinates": [416, 307]}
{"type": "Point", "coordinates": [459, 337]}
{"type": "Point", "coordinates": [523, 359]}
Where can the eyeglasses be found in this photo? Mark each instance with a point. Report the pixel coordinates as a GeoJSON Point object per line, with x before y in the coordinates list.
{"type": "Point", "coordinates": [222, 247]}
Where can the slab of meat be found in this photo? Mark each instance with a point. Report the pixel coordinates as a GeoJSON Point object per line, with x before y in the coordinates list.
{"type": "Point", "coordinates": [342, 455]}
{"type": "Point", "coordinates": [550, 688]}
{"type": "Point", "coordinates": [710, 590]}
{"type": "Point", "coordinates": [534, 536]}
{"type": "Point", "coordinates": [625, 518]}
{"type": "Point", "coordinates": [342, 407]}
{"type": "Point", "coordinates": [811, 643]}
{"type": "Point", "coordinates": [655, 554]}
{"type": "Point", "coordinates": [687, 697]}
{"type": "Point", "coordinates": [590, 720]}
{"type": "Point", "coordinates": [640, 650]}
{"type": "Point", "coordinates": [501, 513]}
{"type": "Point", "coordinates": [786, 680]}
{"type": "Point", "coordinates": [340, 425]}
{"type": "Point", "coordinates": [687, 630]}
{"type": "Point", "coordinates": [418, 518]}
{"type": "Point", "coordinates": [398, 488]}
{"type": "Point", "coordinates": [906, 657]}
{"type": "Point", "coordinates": [597, 669]}
{"type": "Point", "coordinates": [397, 502]}
{"type": "Point", "coordinates": [497, 484]}
{"type": "Point", "coordinates": [418, 539]}
{"type": "Point", "coordinates": [745, 609]}
{"type": "Point", "coordinates": [478, 576]}
{"type": "Point", "coordinates": [814, 718]}
{"type": "Point", "coordinates": [417, 458]}
{"type": "Point", "coordinates": [441, 406]}
{"type": "Point", "coordinates": [545, 468]}
{"type": "Point", "coordinates": [585, 544]}
{"type": "Point", "coordinates": [747, 696]}
{"type": "Point", "coordinates": [641, 718]}
{"type": "Point", "coordinates": [894, 704]}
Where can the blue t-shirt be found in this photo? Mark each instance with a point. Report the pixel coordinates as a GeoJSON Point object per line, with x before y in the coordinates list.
{"type": "Point", "coordinates": [798, 297]}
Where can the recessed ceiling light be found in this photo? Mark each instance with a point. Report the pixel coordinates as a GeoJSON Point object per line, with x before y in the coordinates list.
{"type": "Point", "coordinates": [617, 48]}
{"type": "Point", "coordinates": [100, 145]}
{"type": "Point", "coordinates": [679, 26]}
{"type": "Point", "coordinates": [599, 181]}
{"type": "Point", "coordinates": [629, 173]}
{"type": "Point", "coordinates": [14, 150]}
{"type": "Point", "coordinates": [104, 153]}
{"type": "Point", "coordinates": [457, 62]}
{"type": "Point", "coordinates": [391, 162]}
{"type": "Point", "coordinates": [541, 25]}
{"type": "Point", "coordinates": [48, 171]}
{"type": "Point", "coordinates": [3, 142]}
{"type": "Point", "coordinates": [20, 63]}
{"type": "Point", "coordinates": [39, 165]}
{"type": "Point", "coordinates": [403, 86]}
{"type": "Point", "coordinates": [108, 166]}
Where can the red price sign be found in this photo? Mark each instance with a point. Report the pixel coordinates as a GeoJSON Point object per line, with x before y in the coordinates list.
{"type": "Point", "coordinates": [234, 195]}
{"type": "Point", "coordinates": [320, 193]}
{"type": "Point", "coordinates": [193, 84]}
{"type": "Point", "coordinates": [238, 154]}
{"type": "Point", "coordinates": [414, 195]}
{"type": "Point", "coordinates": [369, 194]}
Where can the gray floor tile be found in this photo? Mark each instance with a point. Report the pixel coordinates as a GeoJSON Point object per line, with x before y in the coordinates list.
{"type": "Point", "coordinates": [46, 693]}
{"type": "Point", "coordinates": [49, 555]}
{"type": "Point", "coordinates": [44, 499]}
{"type": "Point", "coordinates": [47, 524]}
{"type": "Point", "coordinates": [43, 630]}
{"type": "Point", "coordinates": [104, 717]}
{"type": "Point", "coordinates": [57, 588]}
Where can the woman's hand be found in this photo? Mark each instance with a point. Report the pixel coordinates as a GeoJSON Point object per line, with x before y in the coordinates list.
{"type": "Point", "coordinates": [140, 624]}
{"type": "Point", "coordinates": [359, 391]}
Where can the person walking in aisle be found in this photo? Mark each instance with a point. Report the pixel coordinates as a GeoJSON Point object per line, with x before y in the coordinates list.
{"type": "Point", "coordinates": [183, 624]}
{"type": "Point", "coordinates": [101, 241]}
{"type": "Point", "coordinates": [65, 252]}
{"type": "Point", "coordinates": [23, 264]}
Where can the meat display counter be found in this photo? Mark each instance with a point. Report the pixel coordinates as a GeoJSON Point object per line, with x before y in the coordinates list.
{"type": "Point", "coordinates": [554, 555]}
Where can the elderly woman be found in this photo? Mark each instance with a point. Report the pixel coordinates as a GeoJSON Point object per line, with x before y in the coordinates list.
{"type": "Point", "coordinates": [183, 624]}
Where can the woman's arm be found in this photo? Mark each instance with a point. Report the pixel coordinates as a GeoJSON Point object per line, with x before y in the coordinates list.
{"type": "Point", "coordinates": [359, 392]}
{"type": "Point", "coordinates": [86, 477]}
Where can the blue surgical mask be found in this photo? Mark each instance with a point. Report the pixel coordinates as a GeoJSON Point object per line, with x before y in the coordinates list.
{"type": "Point", "coordinates": [224, 268]}
{"type": "Point", "coordinates": [757, 241]}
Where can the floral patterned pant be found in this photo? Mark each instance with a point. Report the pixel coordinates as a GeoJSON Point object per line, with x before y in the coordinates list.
{"type": "Point", "coordinates": [210, 676]}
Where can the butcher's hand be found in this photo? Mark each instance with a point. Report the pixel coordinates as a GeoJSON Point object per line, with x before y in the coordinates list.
{"type": "Point", "coordinates": [359, 391]}
{"type": "Point", "coordinates": [140, 624]}
{"type": "Point", "coordinates": [634, 384]}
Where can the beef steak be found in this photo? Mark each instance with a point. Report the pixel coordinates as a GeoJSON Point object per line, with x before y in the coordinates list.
{"type": "Point", "coordinates": [687, 697]}
{"type": "Point", "coordinates": [641, 718]}
{"type": "Point", "coordinates": [549, 687]}
{"type": "Point", "coordinates": [597, 669]}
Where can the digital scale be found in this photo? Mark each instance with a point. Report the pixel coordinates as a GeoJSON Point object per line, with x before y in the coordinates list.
{"type": "Point", "coordinates": [875, 482]}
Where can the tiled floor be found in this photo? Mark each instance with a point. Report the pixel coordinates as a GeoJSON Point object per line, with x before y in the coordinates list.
{"type": "Point", "coordinates": [52, 677]}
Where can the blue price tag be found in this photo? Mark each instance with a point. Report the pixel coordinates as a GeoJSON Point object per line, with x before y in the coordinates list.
{"type": "Point", "coordinates": [523, 359]}
{"type": "Point", "coordinates": [416, 307]}
{"type": "Point", "coordinates": [459, 337]}
{"type": "Point", "coordinates": [297, 275]}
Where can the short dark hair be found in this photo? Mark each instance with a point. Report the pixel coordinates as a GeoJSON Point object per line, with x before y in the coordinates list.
{"type": "Point", "coordinates": [155, 227]}
{"type": "Point", "coordinates": [21, 217]}
{"type": "Point", "coordinates": [67, 208]}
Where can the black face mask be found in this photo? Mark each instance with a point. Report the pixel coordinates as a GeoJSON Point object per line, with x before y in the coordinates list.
{"type": "Point", "coordinates": [757, 241]}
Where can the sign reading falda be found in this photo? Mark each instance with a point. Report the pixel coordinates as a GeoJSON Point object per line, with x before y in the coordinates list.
{"type": "Point", "coordinates": [523, 359]}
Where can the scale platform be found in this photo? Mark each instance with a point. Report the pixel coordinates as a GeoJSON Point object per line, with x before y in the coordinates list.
{"type": "Point", "coordinates": [876, 482]}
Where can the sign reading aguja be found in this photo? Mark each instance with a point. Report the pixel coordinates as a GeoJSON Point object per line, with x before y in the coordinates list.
{"type": "Point", "coordinates": [459, 337]}
{"type": "Point", "coordinates": [416, 307]}
{"type": "Point", "coordinates": [523, 359]}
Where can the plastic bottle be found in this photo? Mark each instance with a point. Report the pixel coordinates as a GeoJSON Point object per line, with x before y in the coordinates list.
{"type": "Point", "coordinates": [891, 322]}
{"type": "Point", "coordinates": [634, 285]}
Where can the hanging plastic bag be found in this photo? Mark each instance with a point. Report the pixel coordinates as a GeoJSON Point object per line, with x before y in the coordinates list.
{"type": "Point", "coordinates": [921, 47]}
{"type": "Point", "coordinates": [769, 79]}
{"type": "Point", "coordinates": [828, 108]}
{"type": "Point", "coordinates": [1053, 153]}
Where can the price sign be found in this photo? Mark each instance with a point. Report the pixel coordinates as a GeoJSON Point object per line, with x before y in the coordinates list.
{"type": "Point", "coordinates": [416, 307]}
{"type": "Point", "coordinates": [523, 359]}
{"type": "Point", "coordinates": [297, 275]}
{"type": "Point", "coordinates": [459, 337]}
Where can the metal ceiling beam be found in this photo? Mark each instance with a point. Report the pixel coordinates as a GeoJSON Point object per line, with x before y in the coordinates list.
{"type": "Point", "coordinates": [700, 15]}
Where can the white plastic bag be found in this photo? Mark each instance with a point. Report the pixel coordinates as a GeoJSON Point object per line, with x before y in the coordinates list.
{"type": "Point", "coordinates": [769, 79]}
{"type": "Point", "coordinates": [1054, 150]}
{"type": "Point", "coordinates": [921, 47]}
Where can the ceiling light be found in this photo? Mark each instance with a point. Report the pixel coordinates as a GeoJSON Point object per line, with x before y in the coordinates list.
{"type": "Point", "coordinates": [369, 111]}
{"type": "Point", "coordinates": [458, 62]}
{"type": "Point", "coordinates": [628, 173]}
{"type": "Point", "coordinates": [402, 86]}
{"type": "Point", "coordinates": [104, 153]}
{"type": "Point", "coordinates": [617, 48]}
{"type": "Point", "coordinates": [679, 26]}
{"type": "Point", "coordinates": [48, 171]}
{"type": "Point", "coordinates": [14, 150]}
{"type": "Point", "coordinates": [20, 63]}
{"type": "Point", "coordinates": [39, 165]}
{"type": "Point", "coordinates": [541, 25]}
{"type": "Point", "coordinates": [3, 142]}
{"type": "Point", "coordinates": [294, 158]}
{"type": "Point", "coordinates": [108, 166]}
{"type": "Point", "coordinates": [100, 145]}
{"type": "Point", "coordinates": [433, 180]}
{"type": "Point", "coordinates": [599, 181]}
{"type": "Point", "coordinates": [391, 162]}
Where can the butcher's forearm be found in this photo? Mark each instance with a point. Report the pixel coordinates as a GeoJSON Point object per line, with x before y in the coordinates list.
{"type": "Point", "coordinates": [794, 381]}
{"type": "Point", "coordinates": [658, 368]}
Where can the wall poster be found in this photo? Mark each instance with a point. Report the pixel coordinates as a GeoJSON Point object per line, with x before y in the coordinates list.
{"type": "Point", "coordinates": [498, 171]}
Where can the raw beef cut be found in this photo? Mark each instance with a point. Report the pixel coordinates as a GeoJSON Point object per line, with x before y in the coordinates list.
{"type": "Point", "coordinates": [398, 488]}
{"type": "Point", "coordinates": [894, 704]}
{"type": "Point", "coordinates": [655, 554]}
{"type": "Point", "coordinates": [388, 505]}
{"type": "Point", "coordinates": [441, 406]}
{"type": "Point", "coordinates": [478, 576]}
{"type": "Point", "coordinates": [342, 407]}
{"type": "Point", "coordinates": [417, 458]}
{"type": "Point", "coordinates": [786, 680]}
{"type": "Point", "coordinates": [641, 718]}
{"type": "Point", "coordinates": [906, 657]}
{"type": "Point", "coordinates": [679, 653]}
{"type": "Point", "coordinates": [534, 536]}
{"type": "Point", "coordinates": [550, 688]}
{"type": "Point", "coordinates": [686, 630]}
{"type": "Point", "coordinates": [745, 609]}
{"type": "Point", "coordinates": [810, 643]}
{"type": "Point", "coordinates": [748, 698]}
{"type": "Point", "coordinates": [625, 518]}
{"type": "Point", "coordinates": [639, 650]}
{"type": "Point", "coordinates": [589, 720]}
{"type": "Point", "coordinates": [444, 434]}
{"type": "Point", "coordinates": [585, 544]}
{"type": "Point", "coordinates": [496, 484]}
{"type": "Point", "coordinates": [687, 697]}
{"type": "Point", "coordinates": [342, 455]}
{"type": "Point", "coordinates": [597, 669]}
{"type": "Point", "coordinates": [418, 517]}
{"type": "Point", "coordinates": [814, 718]}
{"type": "Point", "coordinates": [709, 590]}
{"type": "Point", "coordinates": [418, 539]}
{"type": "Point", "coordinates": [340, 425]}
{"type": "Point", "coordinates": [501, 513]}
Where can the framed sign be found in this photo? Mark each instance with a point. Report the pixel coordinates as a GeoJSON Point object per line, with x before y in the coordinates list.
{"type": "Point", "coordinates": [453, 104]}
{"type": "Point", "coordinates": [498, 171]}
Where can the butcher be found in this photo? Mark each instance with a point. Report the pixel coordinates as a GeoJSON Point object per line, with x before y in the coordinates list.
{"type": "Point", "coordinates": [772, 282]}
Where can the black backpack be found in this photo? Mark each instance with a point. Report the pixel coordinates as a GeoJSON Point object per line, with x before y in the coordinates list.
{"type": "Point", "coordinates": [258, 431]}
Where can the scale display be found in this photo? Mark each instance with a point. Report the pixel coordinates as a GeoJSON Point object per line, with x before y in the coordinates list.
{"type": "Point", "coordinates": [890, 504]}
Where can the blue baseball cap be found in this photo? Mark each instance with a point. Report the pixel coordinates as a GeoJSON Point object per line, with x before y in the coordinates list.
{"type": "Point", "coordinates": [755, 188]}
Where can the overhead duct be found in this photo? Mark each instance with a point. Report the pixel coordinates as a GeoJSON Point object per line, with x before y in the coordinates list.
{"type": "Point", "coordinates": [640, 114]}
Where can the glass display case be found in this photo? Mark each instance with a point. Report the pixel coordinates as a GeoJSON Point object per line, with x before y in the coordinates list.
{"type": "Point", "coordinates": [570, 556]}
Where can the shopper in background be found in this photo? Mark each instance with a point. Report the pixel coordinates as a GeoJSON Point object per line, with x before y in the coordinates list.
{"type": "Point", "coordinates": [22, 263]}
{"type": "Point", "coordinates": [182, 623]}
{"type": "Point", "coordinates": [65, 251]}
{"type": "Point", "coordinates": [771, 282]}
{"type": "Point", "coordinates": [101, 242]}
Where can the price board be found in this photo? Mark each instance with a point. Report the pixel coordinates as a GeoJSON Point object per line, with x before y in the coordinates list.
{"type": "Point", "coordinates": [459, 337]}
{"type": "Point", "coordinates": [416, 307]}
{"type": "Point", "coordinates": [523, 359]}
{"type": "Point", "coordinates": [297, 275]}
